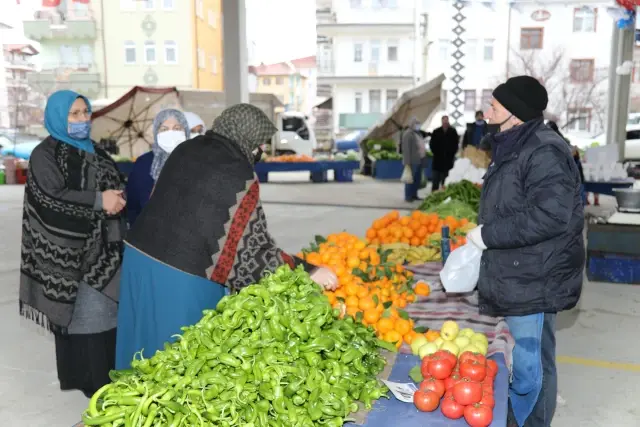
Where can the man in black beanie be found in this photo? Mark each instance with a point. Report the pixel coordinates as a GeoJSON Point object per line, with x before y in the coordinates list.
{"type": "Point", "coordinates": [531, 220]}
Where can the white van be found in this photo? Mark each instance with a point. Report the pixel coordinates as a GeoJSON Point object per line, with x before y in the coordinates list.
{"type": "Point", "coordinates": [295, 135]}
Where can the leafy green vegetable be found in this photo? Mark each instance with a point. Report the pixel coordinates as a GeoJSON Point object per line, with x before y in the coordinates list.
{"type": "Point", "coordinates": [463, 191]}
{"type": "Point", "coordinates": [416, 374]}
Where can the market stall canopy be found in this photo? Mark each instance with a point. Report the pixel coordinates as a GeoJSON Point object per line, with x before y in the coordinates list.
{"type": "Point", "coordinates": [327, 104]}
{"type": "Point", "coordinates": [128, 120]}
{"type": "Point", "coordinates": [21, 151]}
{"type": "Point", "coordinates": [421, 102]}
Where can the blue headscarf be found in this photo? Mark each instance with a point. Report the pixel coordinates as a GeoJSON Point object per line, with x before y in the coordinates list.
{"type": "Point", "coordinates": [159, 155]}
{"type": "Point", "coordinates": [56, 119]}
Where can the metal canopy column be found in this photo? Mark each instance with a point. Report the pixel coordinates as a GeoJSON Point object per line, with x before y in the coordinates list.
{"type": "Point", "coordinates": [235, 52]}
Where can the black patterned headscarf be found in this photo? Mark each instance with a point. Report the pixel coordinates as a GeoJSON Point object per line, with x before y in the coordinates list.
{"type": "Point", "coordinates": [246, 125]}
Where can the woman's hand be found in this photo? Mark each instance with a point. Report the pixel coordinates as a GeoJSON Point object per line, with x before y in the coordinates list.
{"type": "Point", "coordinates": [112, 201]}
{"type": "Point", "coordinates": [325, 278]}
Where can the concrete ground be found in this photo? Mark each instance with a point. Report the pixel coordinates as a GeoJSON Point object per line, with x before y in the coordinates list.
{"type": "Point", "coordinates": [596, 342]}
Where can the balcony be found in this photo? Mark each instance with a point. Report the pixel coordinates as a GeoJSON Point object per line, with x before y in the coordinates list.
{"type": "Point", "coordinates": [18, 64]}
{"type": "Point", "coordinates": [84, 79]}
{"type": "Point", "coordinates": [372, 23]}
{"type": "Point", "coordinates": [358, 121]}
{"type": "Point", "coordinates": [48, 25]}
{"type": "Point", "coordinates": [17, 82]}
{"type": "Point", "coordinates": [332, 72]}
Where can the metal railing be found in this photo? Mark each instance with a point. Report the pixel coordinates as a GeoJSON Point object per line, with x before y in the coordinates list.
{"type": "Point", "coordinates": [59, 17]}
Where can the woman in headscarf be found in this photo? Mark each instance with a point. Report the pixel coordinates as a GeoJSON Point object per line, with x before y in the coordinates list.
{"type": "Point", "coordinates": [203, 230]}
{"type": "Point", "coordinates": [196, 124]}
{"type": "Point", "coordinates": [170, 128]}
{"type": "Point", "coordinates": [72, 247]}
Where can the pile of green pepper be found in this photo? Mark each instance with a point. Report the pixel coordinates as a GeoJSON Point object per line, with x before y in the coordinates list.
{"type": "Point", "coordinates": [275, 354]}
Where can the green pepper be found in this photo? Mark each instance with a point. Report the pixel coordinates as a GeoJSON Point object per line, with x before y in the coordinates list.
{"type": "Point", "coordinates": [279, 405]}
{"type": "Point", "coordinates": [244, 351]}
{"type": "Point", "coordinates": [350, 355]}
{"type": "Point", "coordinates": [319, 344]}
{"type": "Point", "coordinates": [195, 367]}
{"type": "Point", "coordinates": [312, 359]}
{"type": "Point", "coordinates": [100, 420]}
{"type": "Point", "coordinates": [293, 387]}
{"type": "Point", "coordinates": [266, 391]}
{"type": "Point", "coordinates": [229, 360]}
{"type": "Point", "coordinates": [277, 331]}
{"type": "Point", "coordinates": [386, 345]}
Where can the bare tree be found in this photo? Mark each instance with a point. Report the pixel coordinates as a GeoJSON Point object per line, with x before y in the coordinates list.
{"type": "Point", "coordinates": [567, 94]}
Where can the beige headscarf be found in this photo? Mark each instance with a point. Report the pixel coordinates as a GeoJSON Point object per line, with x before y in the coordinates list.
{"type": "Point", "coordinates": [246, 125]}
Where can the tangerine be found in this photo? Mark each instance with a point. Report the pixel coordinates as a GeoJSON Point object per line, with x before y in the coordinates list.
{"type": "Point", "coordinates": [384, 325]}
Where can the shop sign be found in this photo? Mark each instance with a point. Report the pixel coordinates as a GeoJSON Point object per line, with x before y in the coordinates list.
{"type": "Point", "coordinates": [541, 15]}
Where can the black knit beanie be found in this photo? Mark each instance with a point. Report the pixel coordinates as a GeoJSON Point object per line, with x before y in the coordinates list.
{"type": "Point", "coordinates": [522, 96]}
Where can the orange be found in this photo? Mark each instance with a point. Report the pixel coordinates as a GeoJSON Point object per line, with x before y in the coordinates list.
{"type": "Point", "coordinates": [385, 325]}
{"type": "Point", "coordinates": [366, 303]}
{"type": "Point", "coordinates": [415, 241]}
{"type": "Point", "coordinates": [362, 292]}
{"type": "Point", "coordinates": [422, 232]}
{"type": "Point", "coordinates": [371, 233]}
{"type": "Point", "coordinates": [432, 335]}
{"type": "Point", "coordinates": [371, 316]}
{"type": "Point", "coordinates": [414, 224]}
{"type": "Point", "coordinates": [352, 301]}
{"type": "Point", "coordinates": [422, 289]}
{"type": "Point", "coordinates": [402, 326]}
{"type": "Point", "coordinates": [409, 336]}
{"type": "Point", "coordinates": [405, 220]}
{"type": "Point", "coordinates": [411, 298]}
{"type": "Point", "coordinates": [314, 258]}
{"type": "Point", "coordinates": [340, 293]}
{"type": "Point", "coordinates": [351, 289]}
{"type": "Point", "coordinates": [392, 336]}
{"type": "Point", "coordinates": [353, 262]}
{"type": "Point", "coordinates": [352, 311]}
{"type": "Point", "coordinates": [363, 254]}
{"type": "Point", "coordinates": [394, 214]}
{"type": "Point", "coordinates": [416, 215]}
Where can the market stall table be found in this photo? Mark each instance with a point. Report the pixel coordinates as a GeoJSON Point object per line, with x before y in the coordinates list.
{"type": "Point", "coordinates": [343, 170]}
{"type": "Point", "coordinates": [607, 187]}
{"type": "Point", "coordinates": [613, 254]}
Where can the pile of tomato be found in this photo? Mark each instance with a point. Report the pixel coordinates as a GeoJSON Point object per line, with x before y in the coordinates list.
{"type": "Point", "coordinates": [460, 386]}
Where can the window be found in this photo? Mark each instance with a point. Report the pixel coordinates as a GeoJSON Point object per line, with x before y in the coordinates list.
{"type": "Point", "coordinates": [266, 81]}
{"type": "Point", "coordinates": [356, 4]}
{"type": "Point", "coordinates": [443, 49]}
{"type": "Point", "coordinates": [471, 50]}
{"type": "Point", "coordinates": [531, 38]}
{"type": "Point", "coordinates": [128, 4]}
{"type": "Point", "coordinates": [584, 19]}
{"type": "Point", "coordinates": [358, 102]}
{"type": "Point", "coordinates": [297, 125]}
{"type": "Point", "coordinates": [375, 51]}
{"type": "Point", "coordinates": [578, 119]}
{"type": "Point", "coordinates": [392, 97]}
{"type": "Point", "coordinates": [149, 4]}
{"type": "Point", "coordinates": [201, 59]}
{"type": "Point", "coordinates": [170, 52]}
{"type": "Point", "coordinates": [357, 52]}
{"type": "Point", "coordinates": [633, 134]}
{"type": "Point", "coordinates": [129, 52]}
{"type": "Point", "coordinates": [279, 80]}
{"type": "Point", "coordinates": [214, 64]}
{"type": "Point", "coordinates": [167, 4]}
{"type": "Point", "coordinates": [150, 52]}
{"type": "Point", "coordinates": [86, 56]}
{"type": "Point", "coordinates": [374, 101]}
{"type": "Point", "coordinates": [200, 8]}
{"type": "Point", "coordinates": [487, 94]}
{"type": "Point", "coordinates": [213, 22]}
{"type": "Point", "coordinates": [488, 49]}
{"type": "Point", "coordinates": [469, 100]}
{"type": "Point", "coordinates": [392, 51]}
{"type": "Point", "coordinates": [581, 70]}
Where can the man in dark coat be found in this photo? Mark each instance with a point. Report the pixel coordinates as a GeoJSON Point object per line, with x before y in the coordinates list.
{"type": "Point", "coordinates": [532, 219]}
{"type": "Point", "coordinates": [475, 131]}
{"type": "Point", "coordinates": [444, 146]}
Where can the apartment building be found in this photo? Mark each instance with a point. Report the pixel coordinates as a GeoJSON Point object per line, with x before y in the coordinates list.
{"type": "Point", "coordinates": [21, 108]}
{"type": "Point", "coordinates": [284, 81]}
{"type": "Point", "coordinates": [103, 48]}
{"type": "Point", "coordinates": [368, 54]}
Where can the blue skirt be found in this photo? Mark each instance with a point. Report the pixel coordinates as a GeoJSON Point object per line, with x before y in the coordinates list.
{"type": "Point", "coordinates": [156, 300]}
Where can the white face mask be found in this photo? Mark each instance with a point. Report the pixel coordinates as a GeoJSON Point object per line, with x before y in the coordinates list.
{"type": "Point", "coordinates": [170, 139]}
{"type": "Point", "coordinates": [196, 134]}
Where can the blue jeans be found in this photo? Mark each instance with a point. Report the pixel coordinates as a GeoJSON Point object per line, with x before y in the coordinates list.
{"type": "Point", "coordinates": [534, 386]}
{"type": "Point", "coordinates": [411, 190]}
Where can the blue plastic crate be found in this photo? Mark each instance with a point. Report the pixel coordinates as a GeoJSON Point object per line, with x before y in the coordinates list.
{"type": "Point", "coordinates": [613, 268]}
{"type": "Point", "coordinates": [343, 175]}
{"type": "Point", "coordinates": [388, 169]}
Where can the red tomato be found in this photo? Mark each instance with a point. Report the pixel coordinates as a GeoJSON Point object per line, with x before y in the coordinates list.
{"type": "Point", "coordinates": [433, 385]}
{"type": "Point", "coordinates": [478, 415]}
{"type": "Point", "coordinates": [473, 370]}
{"type": "Point", "coordinates": [448, 394]}
{"type": "Point", "coordinates": [424, 367]}
{"type": "Point", "coordinates": [451, 409]}
{"type": "Point", "coordinates": [492, 368]}
{"type": "Point", "coordinates": [467, 356]}
{"type": "Point", "coordinates": [426, 401]}
{"type": "Point", "coordinates": [487, 388]}
{"type": "Point", "coordinates": [488, 400]}
{"type": "Point", "coordinates": [467, 392]}
{"type": "Point", "coordinates": [451, 381]}
{"type": "Point", "coordinates": [444, 354]}
{"type": "Point", "coordinates": [440, 368]}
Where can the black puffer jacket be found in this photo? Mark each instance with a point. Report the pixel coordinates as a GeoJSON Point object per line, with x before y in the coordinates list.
{"type": "Point", "coordinates": [532, 216]}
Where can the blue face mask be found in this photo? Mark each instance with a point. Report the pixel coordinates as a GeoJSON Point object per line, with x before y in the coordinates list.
{"type": "Point", "coordinates": [79, 130]}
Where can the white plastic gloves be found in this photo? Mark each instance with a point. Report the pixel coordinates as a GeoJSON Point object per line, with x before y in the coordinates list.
{"type": "Point", "coordinates": [475, 236]}
{"type": "Point", "coordinates": [325, 278]}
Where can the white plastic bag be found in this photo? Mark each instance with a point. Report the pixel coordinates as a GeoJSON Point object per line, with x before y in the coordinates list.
{"type": "Point", "coordinates": [461, 271]}
{"type": "Point", "coordinates": [407, 175]}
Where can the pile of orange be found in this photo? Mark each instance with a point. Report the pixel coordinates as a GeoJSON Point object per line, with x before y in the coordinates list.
{"type": "Point", "coordinates": [414, 229]}
{"type": "Point", "coordinates": [368, 289]}
{"type": "Point", "coordinates": [291, 158]}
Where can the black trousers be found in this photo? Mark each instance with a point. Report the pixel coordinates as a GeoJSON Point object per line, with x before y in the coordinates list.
{"type": "Point", "coordinates": [437, 179]}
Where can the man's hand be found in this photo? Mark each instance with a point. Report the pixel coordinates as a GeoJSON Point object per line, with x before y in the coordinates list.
{"type": "Point", "coordinates": [475, 236]}
{"type": "Point", "coordinates": [325, 278]}
{"type": "Point", "coordinates": [113, 202]}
